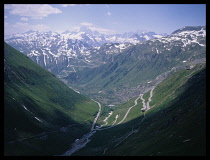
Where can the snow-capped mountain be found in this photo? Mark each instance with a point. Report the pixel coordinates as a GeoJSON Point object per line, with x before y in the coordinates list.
{"type": "Point", "coordinates": [95, 39]}
{"type": "Point", "coordinates": [183, 38]}
{"type": "Point", "coordinates": [71, 50]}
{"type": "Point", "coordinates": [140, 66]}
{"type": "Point", "coordinates": [56, 51]}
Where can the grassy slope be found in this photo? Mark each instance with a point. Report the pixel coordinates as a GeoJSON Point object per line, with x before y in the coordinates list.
{"type": "Point", "coordinates": [47, 98]}
{"type": "Point", "coordinates": [174, 119]}
{"type": "Point", "coordinates": [133, 67]}
{"type": "Point", "coordinates": [174, 126]}
{"type": "Point", "coordinates": [121, 111]}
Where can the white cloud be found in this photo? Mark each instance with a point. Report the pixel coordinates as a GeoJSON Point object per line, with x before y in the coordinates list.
{"type": "Point", "coordinates": [102, 30]}
{"type": "Point", "coordinates": [36, 11]}
{"type": "Point", "coordinates": [24, 19]}
{"type": "Point", "coordinates": [86, 24]}
{"type": "Point", "coordinates": [109, 13]}
{"type": "Point", "coordinates": [5, 17]}
{"type": "Point", "coordinates": [66, 5]}
{"type": "Point", "coordinates": [20, 27]}
{"type": "Point", "coordinates": [93, 27]}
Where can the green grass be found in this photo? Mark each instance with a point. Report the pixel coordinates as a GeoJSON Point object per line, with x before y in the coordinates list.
{"type": "Point", "coordinates": [182, 117]}
{"type": "Point", "coordinates": [174, 127]}
{"type": "Point", "coordinates": [121, 111]}
{"type": "Point", "coordinates": [47, 98]}
{"type": "Point", "coordinates": [134, 67]}
{"type": "Point", "coordinates": [177, 114]}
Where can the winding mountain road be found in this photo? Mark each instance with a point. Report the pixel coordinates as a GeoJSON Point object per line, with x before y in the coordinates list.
{"type": "Point", "coordinates": [80, 143]}
{"type": "Point", "coordinates": [147, 107]}
{"type": "Point", "coordinates": [135, 103]}
{"type": "Point", "coordinates": [143, 102]}
{"type": "Point", "coordinates": [150, 98]}
{"type": "Point", "coordinates": [105, 120]}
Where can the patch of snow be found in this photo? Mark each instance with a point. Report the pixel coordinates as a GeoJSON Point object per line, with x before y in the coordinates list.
{"type": "Point", "coordinates": [54, 55]}
{"type": "Point", "coordinates": [25, 108]}
{"type": "Point", "coordinates": [97, 39]}
{"type": "Point", "coordinates": [97, 48]}
{"type": "Point", "coordinates": [87, 60]}
{"type": "Point", "coordinates": [44, 60]}
{"type": "Point", "coordinates": [147, 37]}
{"type": "Point", "coordinates": [157, 50]}
{"type": "Point", "coordinates": [158, 36]}
{"type": "Point", "coordinates": [38, 119]}
{"type": "Point", "coordinates": [77, 91]}
{"type": "Point", "coordinates": [186, 140]}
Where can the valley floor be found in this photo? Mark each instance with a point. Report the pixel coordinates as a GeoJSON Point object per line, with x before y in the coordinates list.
{"type": "Point", "coordinates": [80, 143]}
{"type": "Point", "coordinates": [175, 121]}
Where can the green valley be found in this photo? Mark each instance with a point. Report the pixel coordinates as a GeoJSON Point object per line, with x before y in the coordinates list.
{"type": "Point", "coordinates": [146, 98]}
{"type": "Point", "coordinates": [42, 116]}
{"type": "Point", "coordinates": [173, 126]}
{"type": "Point", "coordinates": [138, 67]}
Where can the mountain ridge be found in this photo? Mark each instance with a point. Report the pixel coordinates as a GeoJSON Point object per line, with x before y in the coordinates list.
{"type": "Point", "coordinates": [53, 50]}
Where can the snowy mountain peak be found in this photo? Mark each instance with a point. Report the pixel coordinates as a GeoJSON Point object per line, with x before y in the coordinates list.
{"type": "Point", "coordinates": [57, 52]}
{"type": "Point", "coordinates": [86, 30]}
{"type": "Point", "coordinates": [188, 28]}
{"type": "Point", "coordinates": [185, 36]}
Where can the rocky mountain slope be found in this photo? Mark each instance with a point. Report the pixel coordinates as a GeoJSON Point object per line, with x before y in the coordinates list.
{"type": "Point", "coordinates": [61, 52]}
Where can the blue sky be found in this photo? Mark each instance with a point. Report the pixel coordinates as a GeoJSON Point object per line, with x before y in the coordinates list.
{"type": "Point", "coordinates": [106, 18]}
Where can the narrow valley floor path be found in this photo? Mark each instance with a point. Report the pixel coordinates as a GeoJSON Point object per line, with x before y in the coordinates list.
{"type": "Point", "coordinates": [80, 143]}
{"type": "Point", "coordinates": [97, 116]}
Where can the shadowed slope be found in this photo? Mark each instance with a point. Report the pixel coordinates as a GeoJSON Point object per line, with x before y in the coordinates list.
{"type": "Point", "coordinates": [42, 116]}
